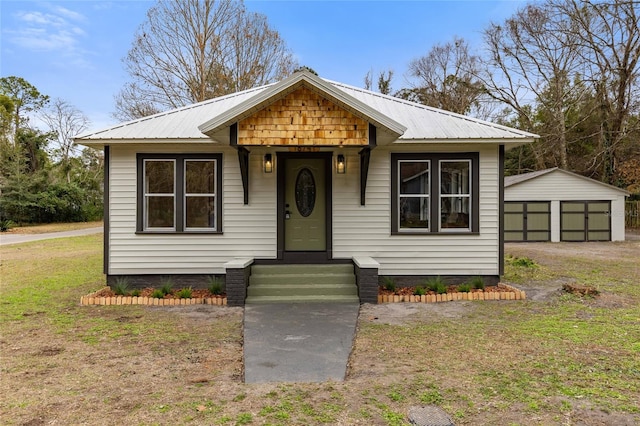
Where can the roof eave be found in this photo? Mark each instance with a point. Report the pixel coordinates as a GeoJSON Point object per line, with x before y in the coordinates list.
{"type": "Point", "coordinates": [99, 143]}
{"type": "Point", "coordinates": [508, 142]}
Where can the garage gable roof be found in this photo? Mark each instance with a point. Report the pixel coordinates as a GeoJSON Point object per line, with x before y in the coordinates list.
{"type": "Point", "coordinates": [524, 177]}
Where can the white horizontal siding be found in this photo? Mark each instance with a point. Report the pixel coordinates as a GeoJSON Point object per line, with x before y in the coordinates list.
{"type": "Point", "coordinates": [251, 230]}
{"type": "Point", "coordinates": [366, 230]}
{"type": "Point", "coordinates": [248, 230]}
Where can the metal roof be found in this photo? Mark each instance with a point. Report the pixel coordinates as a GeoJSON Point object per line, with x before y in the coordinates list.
{"type": "Point", "coordinates": [516, 179]}
{"type": "Point", "coordinates": [324, 88]}
{"type": "Point", "coordinates": [410, 121]}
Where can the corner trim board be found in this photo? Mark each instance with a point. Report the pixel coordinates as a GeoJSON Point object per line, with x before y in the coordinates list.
{"type": "Point", "coordinates": [501, 210]}
{"type": "Point", "coordinates": [106, 210]}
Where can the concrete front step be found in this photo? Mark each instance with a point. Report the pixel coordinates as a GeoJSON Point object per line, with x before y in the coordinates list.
{"type": "Point", "coordinates": [302, 279]}
{"type": "Point", "coordinates": [336, 289]}
{"type": "Point", "coordinates": [301, 299]}
{"type": "Point", "coordinates": [302, 269]}
{"type": "Point", "coordinates": [302, 283]}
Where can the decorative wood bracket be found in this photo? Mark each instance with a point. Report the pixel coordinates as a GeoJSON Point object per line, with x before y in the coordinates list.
{"type": "Point", "coordinates": [365, 155]}
{"type": "Point", "coordinates": [243, 160]}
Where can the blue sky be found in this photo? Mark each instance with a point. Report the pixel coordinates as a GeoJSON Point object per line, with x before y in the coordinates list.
{"type": "Point", "coordinates": [73, 49]}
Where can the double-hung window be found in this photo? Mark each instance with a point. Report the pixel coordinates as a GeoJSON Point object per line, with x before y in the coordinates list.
{"type": "Point", "coordinates": [455, 195]}
{"type": "Point", "coordinates": [434, 193]}
{"type": "Point", "coordinates": [413, 194]}
{"type": "Point", "coordinates": [179, 193]}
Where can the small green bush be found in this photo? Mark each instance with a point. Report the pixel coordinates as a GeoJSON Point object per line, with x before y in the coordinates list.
{"type": "Point", "coordinates": [389, 283]}
{"type": "Point", "coordinates": [419, 291]}
{"type": "Point", "coordinates": [477, 282]}
{"type": "Point", "coordinates": [135, 292]}
{"type": "Point", "coordinates": [121, 287]}
{"type": "Point", "coordinates": [6, 224]}
{"type": "Point", "coordinates": [524, 262]}
{"type": "Point", "coordinates": [166, 286]}
{"type": "Point", "coordinates": [157, 293]}
{"type": "Point", "coordinates": [436, 284]}
{"type": "Point", "coordinates": [216, 285]}
{"type": "Point", "coordinates": [464, 288]}
{"type": "Point", "coordinates": [185, 293]}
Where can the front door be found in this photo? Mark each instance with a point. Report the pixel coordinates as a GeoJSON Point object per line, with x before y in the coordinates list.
{"type": "Point", "coordinates": [305, 217]}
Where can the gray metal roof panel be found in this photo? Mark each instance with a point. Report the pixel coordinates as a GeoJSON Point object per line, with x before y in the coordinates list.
{"type": "Point", "coordinates": [422, 123]}
{"type": "Point", "coordinates": [515, 179]}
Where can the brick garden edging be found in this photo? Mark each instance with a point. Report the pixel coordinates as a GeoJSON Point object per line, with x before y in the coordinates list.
{"type": "Point", "coordinates": [512, 293]}
{"type": "Point", "coordinates": [92, 299]}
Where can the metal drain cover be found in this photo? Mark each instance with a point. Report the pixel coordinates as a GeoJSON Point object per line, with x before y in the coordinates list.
{"type": "Point", "coordinates": [429, 415]}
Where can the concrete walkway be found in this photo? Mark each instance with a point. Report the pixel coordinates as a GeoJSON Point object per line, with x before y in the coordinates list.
{"type": "Point", "coordinates": [6, 239]}
{"type": "Point", "coordinates": [298, 342]}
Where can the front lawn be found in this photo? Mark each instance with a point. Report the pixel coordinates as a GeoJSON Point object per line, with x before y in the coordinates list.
{"type": "Point", "coordinates": [552, 359]}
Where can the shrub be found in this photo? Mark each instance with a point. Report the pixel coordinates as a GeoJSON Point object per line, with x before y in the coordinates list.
{"type": "Point", "coordinates": [436, 284]}
{"type": "Point", "coordinates": [216, 285]}
{"type": "Point", "coordinates": [464, 288]}
{"type": "Point", "coordinates": [135, 292]}
{"type": "Point", "coordinates": [389, 283]}
{"type": "Point", "coordinates": [121, 287]}
{"type": "Point", "coordinates": [157, 293]}
{"type": "Point", "coordinates": [524, 262]}
{"type": "Point", "coordinates": [185, 293]}
{"type": "Point", "coordinates": [477, 282]}
{"type": "Point", "coordinates": [166, 286]}
{"type": "Point", "coordinates": [419, 291]}
{"type": "Point", "coordinates": [6, 224]}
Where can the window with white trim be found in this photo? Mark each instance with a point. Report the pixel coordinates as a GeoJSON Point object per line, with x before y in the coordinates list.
{"type": "Point", "coordinates": [199, 194]}
{"type": "Point", "coordinates": [413, 194]}
{"type": "Point", "coordinates": [455, 194]}
{"type": "Point", "coordinates": [179, 193]}
{"type": "Point", "coordinates": [434, 193]}
{"type": "Point", "coordinates": [159, 194]}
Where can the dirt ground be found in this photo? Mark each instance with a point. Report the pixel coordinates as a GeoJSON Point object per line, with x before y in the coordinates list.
{"type": "Point", "coordinates": [183, 365]}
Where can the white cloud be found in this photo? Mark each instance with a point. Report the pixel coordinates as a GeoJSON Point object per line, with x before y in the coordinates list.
{"type": "Point", "coordinates": [67, 13]}
{"type": "Point", "coordinates": [58, 30]}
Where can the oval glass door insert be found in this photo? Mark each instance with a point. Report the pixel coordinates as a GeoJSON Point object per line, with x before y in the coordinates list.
{"type": "Point", "coordinates": [305, 192]}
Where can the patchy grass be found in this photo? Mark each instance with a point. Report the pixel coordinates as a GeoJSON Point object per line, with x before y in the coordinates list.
{"type": "Point", "coordinates": [558, 359]}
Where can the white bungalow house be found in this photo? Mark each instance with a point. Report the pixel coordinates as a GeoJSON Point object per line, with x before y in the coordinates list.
{"type": "Point", "coordinates": [558, 205]}
{"type": "Point", "coordinates": [304, 171]}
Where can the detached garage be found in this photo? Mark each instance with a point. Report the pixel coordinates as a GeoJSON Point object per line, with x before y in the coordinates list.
{"type": "Point", "coordinates": [557, 205]}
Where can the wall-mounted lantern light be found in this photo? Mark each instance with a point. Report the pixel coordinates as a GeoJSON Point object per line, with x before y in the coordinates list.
{"type": "Point", "coordinates": [267, 164]}
{"type": "Point", "coordinates": [341, 165]}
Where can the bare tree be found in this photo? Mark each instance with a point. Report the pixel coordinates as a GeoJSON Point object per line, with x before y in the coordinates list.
{"type": "Point", "coordinates": [191, 50]}
{"type": "Point", "coordinates": [533, 58]}
{"type": "Point", "coordinates": [445, 78]}
{"type": "Point", "coordinates": [66, 122]}
{"type": "Point", "coordinates": [608, 34]}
